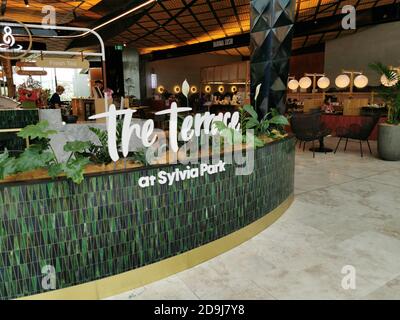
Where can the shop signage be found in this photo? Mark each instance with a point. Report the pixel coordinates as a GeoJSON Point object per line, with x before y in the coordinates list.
{"type": "Point", "coordinates": [22, 72]}
{"type": "Point", "coordinates": [191, 126]}
{"type": "Point", "coordinates": [9, 40]}
{"type": "Point", "coordinates": [223, 42]}
{"type": "Point", "coordinates": [63, 63]}
{"type": "Point", "coordinates": [199, 126]}
{"type": "Point", "coordinates": [8, 43]}
{"type": "Point", "coordinates": [22, 64]}
{"type": "Point", "coordinates": [170, 178]}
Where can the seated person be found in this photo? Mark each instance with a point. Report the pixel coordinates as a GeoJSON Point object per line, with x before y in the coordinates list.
{"type": "Point", "coordinates": [55, 100]}
{"type": "Point", "coordinates": [327, 107]}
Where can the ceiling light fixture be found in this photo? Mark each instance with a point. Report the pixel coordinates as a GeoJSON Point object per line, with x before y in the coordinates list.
{"type": "Point", "coordinates": [26, 3]}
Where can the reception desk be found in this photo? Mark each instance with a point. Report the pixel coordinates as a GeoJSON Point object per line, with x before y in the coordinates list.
{"type": "Point", "coordinates": [108, 235]}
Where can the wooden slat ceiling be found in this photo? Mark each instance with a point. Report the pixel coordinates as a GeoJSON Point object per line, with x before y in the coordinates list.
{"type": "Point", "coordinates": [204, 20]}
{"type": "Point", "coordinates": [17, 9]}
{"type": "Point", "coordinates": [208, 20]}
{"type": "Point", "coordinates": [173, 23]}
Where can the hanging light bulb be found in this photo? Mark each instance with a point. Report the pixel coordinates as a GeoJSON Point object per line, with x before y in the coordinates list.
{"type": "Point", "coordinates": [392, 82]}
{"type": "Point", "coordinates": [305, 82]}
{"type": "Point", "coordinates": [342, 81]}
{"type": "Point", "coordinates": [361, 81]}
{"type": "Point", "coordinates": [293, 84]}
{"type": "Point", "coordinates": [323, 82]}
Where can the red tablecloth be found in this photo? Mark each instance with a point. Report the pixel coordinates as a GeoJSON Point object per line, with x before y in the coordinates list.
{"type": "Point", "coordinates": [335, 121]}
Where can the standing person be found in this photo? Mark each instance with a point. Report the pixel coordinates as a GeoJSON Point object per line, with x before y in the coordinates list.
{"type": "Point", "coordinates": [98, 90]}
{"type": "Point", "coordinates": [55, 100]}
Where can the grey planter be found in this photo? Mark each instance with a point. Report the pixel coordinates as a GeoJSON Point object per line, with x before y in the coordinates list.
{"type": "Point", "coordinates": [389, 142]}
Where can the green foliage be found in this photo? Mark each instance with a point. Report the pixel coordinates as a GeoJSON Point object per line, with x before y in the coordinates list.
{"type": "Point", "coordinates": [41, 155]}
{"type": "Point", "coordinates": [76, 146]}
{"type": "Point", "coordinates": [39, 131]}
{"type": "Point", "coordinates": [233, 136]}
{"type": "Point", "coordinates": [55, 169]}
{"type": "Point", "coordinates": [230, 135]}
{"type": "Point", "coordinates": [34, 158]}
{"type": "Point", "coordinates": [7, 165]}
{"type": "Point", "coordinates": [99, 153]}
{"type": "Point", "coordinates": [74, 169]}
{"type": "Point", "coordinates": [270, 123]}
{"type": "Point", "coordinates": [139, 157]}
{"type": "Point", "coordinates": [391, 95]}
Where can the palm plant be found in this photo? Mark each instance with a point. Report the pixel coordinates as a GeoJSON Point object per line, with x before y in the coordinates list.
{"type": "Point", "coordinates": [390, 93]}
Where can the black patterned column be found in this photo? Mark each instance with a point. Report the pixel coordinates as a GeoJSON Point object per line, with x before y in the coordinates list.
{"type": "Point", "coordinates": [270, 44]}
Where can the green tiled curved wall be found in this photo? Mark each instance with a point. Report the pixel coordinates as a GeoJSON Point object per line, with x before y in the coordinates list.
{"type": "Point", "coordinates": [11, 119]}
{"type": "Point", "coordinates": [108, 225]}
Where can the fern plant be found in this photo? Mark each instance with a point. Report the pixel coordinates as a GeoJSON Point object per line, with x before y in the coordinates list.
{"type": "Point", "coordinates": [99, 153]}
{"type": "Point", "coordinates": [139, 157]}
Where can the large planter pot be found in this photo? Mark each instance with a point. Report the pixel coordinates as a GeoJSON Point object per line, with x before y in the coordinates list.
{"type": "Point", "coordinates": [389, 142]}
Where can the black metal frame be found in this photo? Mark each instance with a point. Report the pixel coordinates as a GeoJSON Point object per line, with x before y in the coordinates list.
{"type": "Point", "coordinates": [355, 140]}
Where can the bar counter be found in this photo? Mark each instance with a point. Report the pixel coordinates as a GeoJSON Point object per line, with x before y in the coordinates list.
{"type": "Point", "coordinates": [334, 121]}
{"type": "Point", "coordinates": [108, 235]}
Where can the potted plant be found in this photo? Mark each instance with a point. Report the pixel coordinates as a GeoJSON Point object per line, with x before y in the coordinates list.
{"type": "Point", "coordinates": [389, 132]}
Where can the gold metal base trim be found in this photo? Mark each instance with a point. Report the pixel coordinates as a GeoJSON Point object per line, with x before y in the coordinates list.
{"type": "Point", "coordinates": [136, 278]}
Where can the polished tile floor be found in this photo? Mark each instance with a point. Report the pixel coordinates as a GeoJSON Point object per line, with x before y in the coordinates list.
{"type": "Point", "coordinates": [346, 213]}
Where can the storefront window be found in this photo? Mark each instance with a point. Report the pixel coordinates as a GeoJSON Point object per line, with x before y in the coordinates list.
{"type": "Point", "coordinates": [75, 83]}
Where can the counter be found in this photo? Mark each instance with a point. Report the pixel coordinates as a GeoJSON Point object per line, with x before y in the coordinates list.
{"type": "Point", "coordinates": [333, 121]}
{"type": "Point", "coordinates": [108, 235]}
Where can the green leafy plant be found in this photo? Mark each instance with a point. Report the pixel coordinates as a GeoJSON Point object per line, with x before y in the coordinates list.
{"type": "Point", "coordinates": [75, 165]}
{"type": "Point", "coordinates": [37, 131]}
{"type": "Point", "coordinates": [390, 94]}
{"type": "Point", "coordinates": [74, 168]}
{"type": "Point", "coordinates": [272, 124]}
{"type": "Point", "coordinates": [41, 155]}
{"type": "Point", "coordinates": [232, 136]}
{"type": "Point", "coordinates": [99, 153]}
{"type": "Point", "coordinates": [7, 165]}
{"type": "Point", "coordinates": [139, 157]}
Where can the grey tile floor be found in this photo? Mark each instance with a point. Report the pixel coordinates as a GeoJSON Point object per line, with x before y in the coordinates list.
{"type": "Point", "coordinates": [346, 212]}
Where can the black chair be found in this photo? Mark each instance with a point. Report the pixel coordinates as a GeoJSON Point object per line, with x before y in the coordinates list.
{"type": "Point", "coordinates": [360, 132]}
{"type": "Point", "coordinates": [308, 127]}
